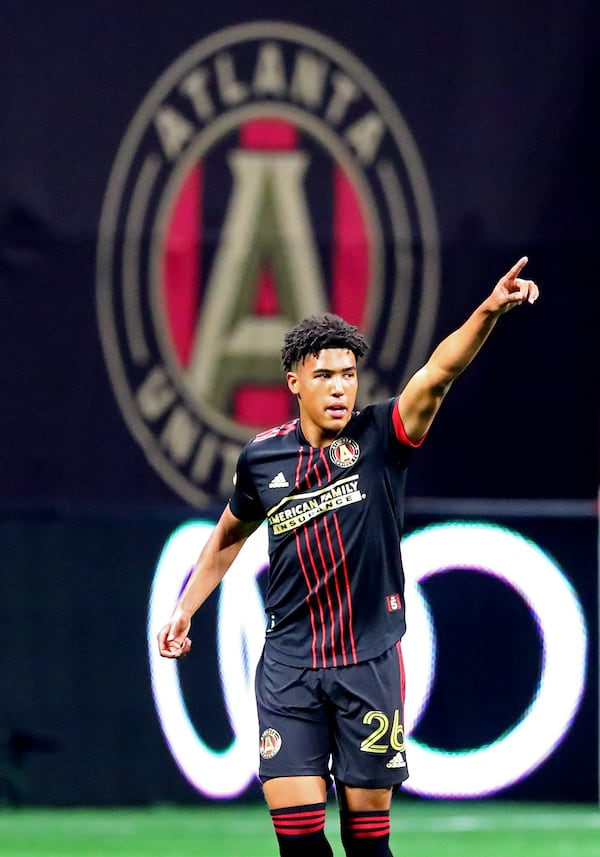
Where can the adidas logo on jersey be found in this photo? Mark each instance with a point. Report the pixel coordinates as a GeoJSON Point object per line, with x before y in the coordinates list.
{"type": "Point", "coordinates": [396, 762]}
{"type": "Point", "coordinates": [279, 481]}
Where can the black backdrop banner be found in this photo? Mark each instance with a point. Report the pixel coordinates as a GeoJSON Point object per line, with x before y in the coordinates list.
{"type": "Point", "coordinates": [485, 121]}
{"type": "Point", "coordinates": [181, 182]}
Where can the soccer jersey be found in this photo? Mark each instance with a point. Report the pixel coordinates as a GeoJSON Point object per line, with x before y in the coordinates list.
{"type": "Point", "coordinates": [335, 591]}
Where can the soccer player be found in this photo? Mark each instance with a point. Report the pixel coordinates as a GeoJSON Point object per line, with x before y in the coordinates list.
{"type": "Point", "coordinates": [330, 682]}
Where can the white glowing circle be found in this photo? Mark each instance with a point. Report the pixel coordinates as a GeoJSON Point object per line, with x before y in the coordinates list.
{"type": "Point", "coordinates": [481, 548]}
{"type": "Point", "coordinates": [489, 549]}
{"type": "Point", "coordinates": [215, 774]}
{"type": "Point", "coordinates": [418, 652]}
{"type": "Point", "coordinates": [240, 639]}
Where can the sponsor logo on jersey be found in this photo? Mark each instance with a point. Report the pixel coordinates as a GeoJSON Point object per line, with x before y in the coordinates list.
{"type": "Point", "coordinates": [344, 452]}
{"type": "Point", "coordinates": [270, 743]}
{"type": "Point", "coordinates": [267, 175]}
{"type": "Point", "coordinates": [294, 511]}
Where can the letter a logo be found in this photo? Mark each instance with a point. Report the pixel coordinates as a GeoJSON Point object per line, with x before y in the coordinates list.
{"type": "Point", "coordinates": [267, 231]}
{"type": "Point", "coordinates": [266, 176]}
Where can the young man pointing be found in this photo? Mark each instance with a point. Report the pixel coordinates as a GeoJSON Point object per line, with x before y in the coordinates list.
{"type": "Point", "coordinates": [330, 682]}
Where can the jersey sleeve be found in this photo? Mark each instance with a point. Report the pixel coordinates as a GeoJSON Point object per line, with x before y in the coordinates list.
{"type": "Point", "coordinates": [393, 433]}
{"type": "Point", "coordinates": [400, 431]}
{"type": "Point", "coordinates": [245, 503]}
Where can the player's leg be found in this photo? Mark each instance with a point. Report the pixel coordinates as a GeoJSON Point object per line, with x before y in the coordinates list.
{"type": "Point", "coordinates": [294, 755]}
{"type": "Point", "coordinates": [369, 757]}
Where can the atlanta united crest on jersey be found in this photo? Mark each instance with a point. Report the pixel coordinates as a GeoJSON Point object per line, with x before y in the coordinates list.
{"type": "Point", "coordinates": [335, 593]}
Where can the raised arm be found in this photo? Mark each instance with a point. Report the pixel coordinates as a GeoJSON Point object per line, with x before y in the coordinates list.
{"type": "Point", "coordinates": [219, 552]}
{"type": "Point", "coordinates": [420, 400]}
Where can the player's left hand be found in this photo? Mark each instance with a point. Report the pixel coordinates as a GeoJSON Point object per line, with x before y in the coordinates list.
{"type": "Point", "coordinates": [511, 290]}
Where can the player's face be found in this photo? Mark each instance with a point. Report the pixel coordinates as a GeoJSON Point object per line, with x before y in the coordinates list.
{"type": "Point", "coordinates": [326, 387]}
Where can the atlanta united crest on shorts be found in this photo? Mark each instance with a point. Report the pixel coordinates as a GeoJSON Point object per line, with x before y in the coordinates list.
{"type": "Point", "coordinates": [266, 176]}
{"type": "Point", "coordinates": [270, 743]}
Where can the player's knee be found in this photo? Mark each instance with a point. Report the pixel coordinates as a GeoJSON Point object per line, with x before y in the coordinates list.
{"type": "Point", "coordinates": [356, 799]}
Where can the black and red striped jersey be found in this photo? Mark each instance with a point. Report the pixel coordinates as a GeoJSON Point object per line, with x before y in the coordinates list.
{"type": "Point", "coordinates": [335, 590]}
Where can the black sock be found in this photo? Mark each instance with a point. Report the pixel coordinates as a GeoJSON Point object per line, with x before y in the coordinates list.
{"type": "Point", "coordinates": [300, 831]}
{"type": "Point", "coordinates": [366, 834]}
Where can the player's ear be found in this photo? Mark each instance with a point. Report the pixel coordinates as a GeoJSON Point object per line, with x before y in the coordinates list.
{"type": "Point", "coordinates": [292, 382]}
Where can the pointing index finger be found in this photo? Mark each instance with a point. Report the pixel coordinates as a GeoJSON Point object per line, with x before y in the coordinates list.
{"type": "Point", "coordinates": [518, 267]}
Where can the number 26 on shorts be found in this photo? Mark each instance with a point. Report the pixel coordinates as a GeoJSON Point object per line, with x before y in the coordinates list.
{"type": "Point", "coordinates": [376, 741]}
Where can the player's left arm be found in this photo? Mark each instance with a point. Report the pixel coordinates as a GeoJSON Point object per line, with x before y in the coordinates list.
{"type": "Point", "coordinates": [420, 400]}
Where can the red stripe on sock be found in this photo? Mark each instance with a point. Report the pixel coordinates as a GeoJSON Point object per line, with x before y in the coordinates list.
{"type": "Point", "coordinates": [366, 825]}
{"type": "Point", "coordinates": [298, 822]}
{"type": "Point", "coordinates": [300, 831]}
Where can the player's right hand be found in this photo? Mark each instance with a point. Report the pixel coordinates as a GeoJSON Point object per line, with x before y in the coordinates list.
{"type": "Point", "coordinates": [173, 640]}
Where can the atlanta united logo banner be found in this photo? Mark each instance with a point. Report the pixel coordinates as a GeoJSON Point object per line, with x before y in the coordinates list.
{"type": "Point", "coordinates": [180, 188]}
{"type": "Point", "coordinates": [266, 176]}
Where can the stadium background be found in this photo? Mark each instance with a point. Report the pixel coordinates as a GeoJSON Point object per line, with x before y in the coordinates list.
{"type": "Point", "coordinates": [501, 100]}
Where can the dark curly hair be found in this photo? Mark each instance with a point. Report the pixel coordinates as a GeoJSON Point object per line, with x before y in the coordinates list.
{"type": "Point", "coordinates": [317, 332]}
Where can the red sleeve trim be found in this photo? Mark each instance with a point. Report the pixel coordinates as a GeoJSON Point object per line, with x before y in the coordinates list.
{"type": "Point", "coordinates": [400, 431]}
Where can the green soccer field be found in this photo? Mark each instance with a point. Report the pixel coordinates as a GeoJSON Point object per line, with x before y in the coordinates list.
{"type": "Point", "coordinates": [419, 830]}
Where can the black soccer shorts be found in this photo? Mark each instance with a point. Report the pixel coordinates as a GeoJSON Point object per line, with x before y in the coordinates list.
{"type": "Point", "coordinates": [346, 721]}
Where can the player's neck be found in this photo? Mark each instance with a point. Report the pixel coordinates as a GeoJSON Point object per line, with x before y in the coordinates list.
{"type": "Point", "coordinates": [316, 435]}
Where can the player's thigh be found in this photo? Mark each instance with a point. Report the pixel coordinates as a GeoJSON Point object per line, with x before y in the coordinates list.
{"type": "Point", "coordinates": [293, 722]}
{"type": "Point", "coordinates": [294, 791]}
{"type": "Point", "coordinates": [369, 748]}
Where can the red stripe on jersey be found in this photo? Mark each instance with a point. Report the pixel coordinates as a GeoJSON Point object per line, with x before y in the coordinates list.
{"type": "Point", "coordinates": [312, 597]}
{"type": "Point", "coordinates": [402, 672]}
{"type": "Point", "coordinates": [338, 593]}
{"type": "Point", "coordinates": [333, 566]}
{"type": "Point", "coordinates": [317, 597]}
{"type": "Point", "coordinates": [278, 431]}
{"type": "Point", "coordinates": [308, 601]}
{"type": "Point", "coordinates": [326, 463]}
{"type": "Point", "coordinates": [326, 588]}
{"type": "Point", "coordinates": [317, 474]}
{"type": "Point", "coordinates": [308, 466]}
{"type": "Point", "coordinates": [400, 431]}
{"type": "Point", "coordinates": [347, 585]}
{"type": "Point", "coordinates": [316, 527]}
{"type": "Point", "coordinates": [300, 454]}
{"type": "Point", "coordinates": [182, 265]}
